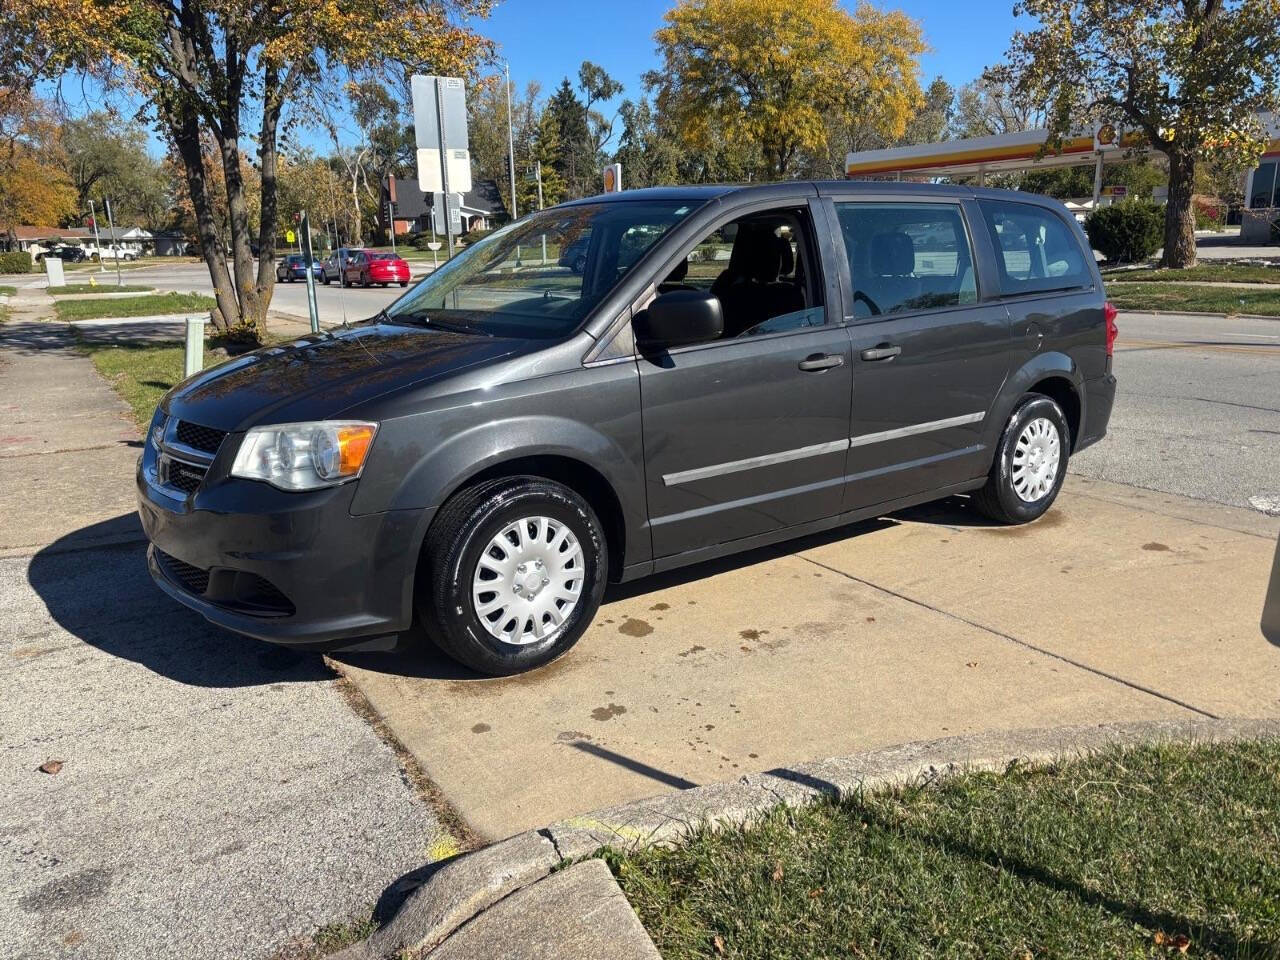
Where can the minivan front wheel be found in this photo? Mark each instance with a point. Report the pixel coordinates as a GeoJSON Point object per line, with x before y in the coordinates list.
{"type": "Point", "coordinates": [1030, 463]}
{"type": "Point", "coordinates": [515, 570]}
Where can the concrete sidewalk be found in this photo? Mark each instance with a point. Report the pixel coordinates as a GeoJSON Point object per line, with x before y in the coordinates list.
{"type": "Point", "coordinates": [218, 797]}
{"type": "Point", "coordinates": [1120, 605]}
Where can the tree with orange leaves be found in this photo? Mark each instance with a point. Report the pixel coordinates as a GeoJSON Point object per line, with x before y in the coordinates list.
{"type": "Point", "coordinates": [238, 71]}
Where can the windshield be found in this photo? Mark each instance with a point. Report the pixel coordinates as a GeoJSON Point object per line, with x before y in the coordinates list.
{"type": "Point", "coordinates": [541, 276]}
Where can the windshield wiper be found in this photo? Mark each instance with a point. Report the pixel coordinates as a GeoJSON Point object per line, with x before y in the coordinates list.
{"type": "Point", "coordinates": [423, 320]}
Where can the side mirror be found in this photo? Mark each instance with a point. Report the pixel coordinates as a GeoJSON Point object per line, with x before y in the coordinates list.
{"type": "Point", "coordinates": [678, 318]}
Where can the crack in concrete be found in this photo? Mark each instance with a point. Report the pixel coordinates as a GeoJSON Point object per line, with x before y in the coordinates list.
{"type": "Point", "coordinates": [1115, 678]}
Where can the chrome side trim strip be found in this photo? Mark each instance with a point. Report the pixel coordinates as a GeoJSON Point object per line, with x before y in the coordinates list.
{"type": "Point", "coordinates": [866, 438]}
{"type": "Point", "coordinates": [768, 460]}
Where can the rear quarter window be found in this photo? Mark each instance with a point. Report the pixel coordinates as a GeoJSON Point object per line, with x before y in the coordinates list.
{"type": "Point", "coordinates": [1036, 251]}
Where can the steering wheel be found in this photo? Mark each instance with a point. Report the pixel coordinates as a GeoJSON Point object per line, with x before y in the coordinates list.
{"type": "Point", "coordinates": [859, 295]}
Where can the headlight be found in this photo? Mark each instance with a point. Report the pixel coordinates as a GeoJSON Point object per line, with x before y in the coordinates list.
{"type": "Point", "coordinates": [156, 434]}
{"type": "Point", "coordinates": [305, 456]}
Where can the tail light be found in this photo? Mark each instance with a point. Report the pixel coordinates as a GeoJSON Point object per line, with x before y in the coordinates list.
{"type": "Point", "coordinates": [1109, 313]}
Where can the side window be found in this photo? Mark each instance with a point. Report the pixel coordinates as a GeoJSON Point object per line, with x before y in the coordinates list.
{"type": "Point", "coordinates": [762, 268]}
{"type": "Point", "coordinates": [1035, 249]}
{"type": "Point", "coordinates": [1264, 178]}
{"type": "Point", "coordinates": [905, 257]}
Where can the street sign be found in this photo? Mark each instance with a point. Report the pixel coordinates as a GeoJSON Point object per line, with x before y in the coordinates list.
{"type": "Point", "coordinates": [455, 212]}
{"type": "Point", "coordinates": [290, 236]}
{"type": "Point", "coordinates": [613, 178]}
{"type": "Point", "coordinates": [440, 106]}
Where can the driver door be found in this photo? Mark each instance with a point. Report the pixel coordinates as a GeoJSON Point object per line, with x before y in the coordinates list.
{"type": "Point", "coordinates": [748, 433]}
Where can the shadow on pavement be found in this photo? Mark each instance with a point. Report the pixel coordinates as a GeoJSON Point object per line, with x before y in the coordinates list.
{"type": "Point", "coordinates": [104, 596]}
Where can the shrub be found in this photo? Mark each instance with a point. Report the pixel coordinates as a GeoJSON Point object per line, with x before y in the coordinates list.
{"type": "Point", "coordinates": [15, 262]}
{"type": "Point", "coordinates": [419, 241]}
{"type": "Point", "coordinates": [1210, 214]}
{"type": "Point", "coordinates": [1126, 232]}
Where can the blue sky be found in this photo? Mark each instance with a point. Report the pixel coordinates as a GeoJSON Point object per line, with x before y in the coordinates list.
{"type": "Point", "coordinates": [548, 39]}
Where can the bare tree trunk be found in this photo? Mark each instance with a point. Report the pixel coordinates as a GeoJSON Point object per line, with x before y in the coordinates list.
{"type": "Point", "coordinates": [1179, 217]}
{"type": "Point", "coordinates": [185, 131]}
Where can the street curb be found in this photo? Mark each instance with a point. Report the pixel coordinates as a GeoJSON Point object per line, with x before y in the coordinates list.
{"type": "Point", "coordinates": [463, 888]}
{"type": "Point", "coordinates": [1199, 313]}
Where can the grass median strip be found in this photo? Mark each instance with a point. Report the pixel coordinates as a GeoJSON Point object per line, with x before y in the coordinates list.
{"type": "Point", "coordinates": [1148, 852]}
{"type": "Point", "coordinates": [1175, 297]}
{"type": "Point", "coordinates": [6, 291]}
{"type": "Point", "coordinates": [142, 306]}
{"type": "Point", "coordinates": [1205, 273]}
{"type": "Point", "coordinates": [141, 373]}
{"type": "Point", "coordinates": [67, 289]}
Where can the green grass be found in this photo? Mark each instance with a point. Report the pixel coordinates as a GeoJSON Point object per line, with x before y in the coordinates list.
{"type": "Point", "coordinates": [143, 306]}
{"type": "Point", "coordinates": [107, 286]}
{"type": "Point", "coordinates": [1174, 297]}
{"type": "Point", "coordinates": [1121, 855]}
{"type": "Point", "coordinates": [1205, 273]}
{"type": "Point", "coordinates": [142, 373]}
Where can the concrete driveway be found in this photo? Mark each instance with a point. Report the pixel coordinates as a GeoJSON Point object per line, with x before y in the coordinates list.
{"type": "Point", "coordinates": [1119, 605]}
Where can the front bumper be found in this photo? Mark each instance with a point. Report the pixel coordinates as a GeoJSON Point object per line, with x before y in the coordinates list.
{"type": "Point", "coordinates": [291, 568]}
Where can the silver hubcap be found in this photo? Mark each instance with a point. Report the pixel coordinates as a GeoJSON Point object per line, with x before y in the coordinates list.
{"type": "Point", "coordinates": [1035, 459]}
{"type": "Point", "coordinates": [528, 580]}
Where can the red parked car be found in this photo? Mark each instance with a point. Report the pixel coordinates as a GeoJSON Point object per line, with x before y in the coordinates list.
{"type": "Point", "coordinates": [367, 267]}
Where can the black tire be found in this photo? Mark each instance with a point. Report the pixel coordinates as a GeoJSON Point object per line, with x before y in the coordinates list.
{"type": "Point", "coordinates": [999, 499]}
{"type": "Point", "coordinates": [404, 283]}
{"type": "Point", "coordinates": [462, 531]}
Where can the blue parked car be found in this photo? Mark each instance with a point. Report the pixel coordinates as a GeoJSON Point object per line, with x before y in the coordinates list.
{"type": "Point", "coordinates": [294, 267]}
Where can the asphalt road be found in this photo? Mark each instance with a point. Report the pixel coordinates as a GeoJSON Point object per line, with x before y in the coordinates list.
{"type": "Point", "coordinates": [1197, 409]}
{"type": "Point", "coordinates": [333, 303]}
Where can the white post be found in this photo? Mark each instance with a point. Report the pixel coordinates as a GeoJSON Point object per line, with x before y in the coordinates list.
{"type": "Point", "coordinates": [1097, 179]}
{"type": "Point", "coordinates": [194, 355]}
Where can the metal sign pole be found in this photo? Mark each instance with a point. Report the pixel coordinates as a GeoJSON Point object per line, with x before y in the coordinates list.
{"type": "Point", "coordinates": [97, 242]}
{"type": "Point", "coordinates": [111, 225]}
{"type": "Point", "coordinates": [307, 260]}
{"type": "Point", "coordinates": [444, 166]}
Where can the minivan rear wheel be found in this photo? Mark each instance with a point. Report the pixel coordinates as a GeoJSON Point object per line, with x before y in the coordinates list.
{"type": "Point", "coordinates": [515, 570]}
{"type": "Point", "coordinates": [1030, 463]}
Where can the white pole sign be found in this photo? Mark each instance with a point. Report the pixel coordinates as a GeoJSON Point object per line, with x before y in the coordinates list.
{"type": "Point", "coordinates": [427, 127]}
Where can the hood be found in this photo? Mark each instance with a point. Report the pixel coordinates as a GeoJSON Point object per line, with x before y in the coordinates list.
{"type": "Point", "coordinates": [320, 375]}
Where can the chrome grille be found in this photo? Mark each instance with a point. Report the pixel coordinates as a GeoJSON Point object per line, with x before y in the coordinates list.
{"type": "Point", "coordinates": [194, 435]}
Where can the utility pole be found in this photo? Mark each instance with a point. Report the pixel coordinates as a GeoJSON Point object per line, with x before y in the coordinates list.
{"type": "Point", "coordinates": [97, 243]}
{"type": "Point", "coordinates": [511, 143]}
{"type": "Point", "coordinates": [111, 225]}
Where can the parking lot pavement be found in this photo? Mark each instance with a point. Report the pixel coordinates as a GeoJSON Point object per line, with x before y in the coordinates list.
{"type": "Point", "coordinates": [1120, 605]}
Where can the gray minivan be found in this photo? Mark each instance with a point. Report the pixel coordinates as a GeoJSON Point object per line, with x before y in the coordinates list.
{"type": "Point", "coordinates": [729, 367]}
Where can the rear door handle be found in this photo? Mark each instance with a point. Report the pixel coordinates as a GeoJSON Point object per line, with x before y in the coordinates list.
{"type": "Point", "coordinates": [882, 352]}
{"type": "Point", "coordinates": [821, 361]}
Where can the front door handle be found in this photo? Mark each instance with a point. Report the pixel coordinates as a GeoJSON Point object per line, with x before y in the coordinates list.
{"type": "Point", "coordinates": [882, 352]}
{"type": "Point", "coordinates": [821, 361]}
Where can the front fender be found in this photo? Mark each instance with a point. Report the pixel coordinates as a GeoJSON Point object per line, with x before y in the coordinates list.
{"type": "Point", "coordinates": [1052, 363]}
